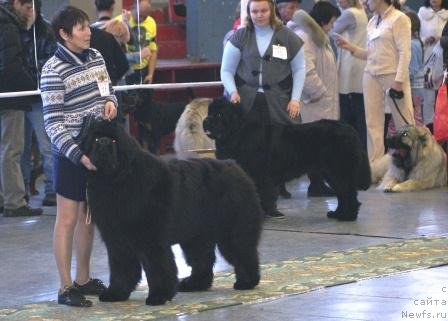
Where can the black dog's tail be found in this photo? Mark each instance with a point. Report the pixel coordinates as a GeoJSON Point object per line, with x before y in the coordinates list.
{"type": "Point", "coordinates": [364, 176]}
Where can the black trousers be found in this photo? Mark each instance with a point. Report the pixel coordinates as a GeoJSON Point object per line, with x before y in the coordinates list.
{"type": "Point", "coordinates": [267, 188]}
{"type": "Point", "coordinates": [352, 113]}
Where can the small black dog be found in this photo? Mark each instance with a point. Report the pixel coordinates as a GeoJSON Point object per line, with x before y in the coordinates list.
{"type": "Point", "coordinates": [274, 154]}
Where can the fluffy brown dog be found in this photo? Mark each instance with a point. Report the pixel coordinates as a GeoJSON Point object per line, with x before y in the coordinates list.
{"type": "Point", "coordinates": [417, 162]}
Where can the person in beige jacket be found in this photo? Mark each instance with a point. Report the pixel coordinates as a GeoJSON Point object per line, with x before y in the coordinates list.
{"type": "Point", "coordinates": [320, 94]}
{"type": "Point", "coordinates": [388, 55]}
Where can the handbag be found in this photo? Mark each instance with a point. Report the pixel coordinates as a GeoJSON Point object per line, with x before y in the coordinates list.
{"type": "Point", "coordinates": [441, 114]}
{"type": "Point", "coordinates": [433, 68]}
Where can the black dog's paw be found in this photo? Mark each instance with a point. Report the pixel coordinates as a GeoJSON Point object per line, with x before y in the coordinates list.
{"type": "Point", "coordinates": [190, 284]}
{"type": "Point", "coordinates": [246, 284]}
{"type": "Point", "coordinates": [110, 295]}
{"type": "Point", "coordinates": [156, 299]}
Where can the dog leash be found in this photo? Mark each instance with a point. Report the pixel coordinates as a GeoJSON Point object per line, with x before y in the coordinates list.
{"type": "Point", "coordinates": [399, 111]}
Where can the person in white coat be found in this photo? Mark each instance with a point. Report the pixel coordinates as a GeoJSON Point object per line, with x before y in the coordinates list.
{"type": "Point", "coordinates": [320, 94]}
{"type": "Point", "coordinates": [388, 55]}
{"type": "Point", "coordinates": [352, 25]}
{"type": "Point", "coordinates": [433, 15]}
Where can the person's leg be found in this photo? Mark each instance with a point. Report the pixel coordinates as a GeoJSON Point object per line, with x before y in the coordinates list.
{"type": "Point", "coordinates": [11, 149]}
{"type": "Point", "coordinates": [36, 118]}
{"type": "Point", "coordinates": [417, 101]}
{"type": "Point", "coordinates": [67, 212]}
{"type": "Point", "coordinates": [429, 99]}
{"type": "Point", "coordinates": [84, 233]}
{"type": "Point", "coordinates": [26, 163]}
{"type": "Point", "coordinates": [357, 103]}
{"type": "Point", "coordinates": [374, 97]}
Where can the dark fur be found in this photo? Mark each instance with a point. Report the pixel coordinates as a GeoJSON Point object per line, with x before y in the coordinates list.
{"type": "Point", "coordinates": [278, 154]}
{"type": "Point", "coordinates": [142, 205]}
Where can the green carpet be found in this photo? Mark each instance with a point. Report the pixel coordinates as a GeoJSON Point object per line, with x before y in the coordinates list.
{"type": "Point", "coordinates": [278, 280]}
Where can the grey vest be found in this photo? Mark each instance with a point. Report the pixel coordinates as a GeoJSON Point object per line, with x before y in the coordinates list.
{"type": "Point", "coordinates": [276, 73]}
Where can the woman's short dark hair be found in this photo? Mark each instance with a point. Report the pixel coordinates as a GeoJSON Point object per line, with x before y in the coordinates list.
{"type": "Point", "coordinates": [102, 5]}
{"type": "Point", "coordinates": [66, 18]}
{"type": "Point", "coordinates": [444, 4]}
{"type": "Point", "coordinates": [323, 11]}
{"type": "Point", "coordinates": [415, 23]}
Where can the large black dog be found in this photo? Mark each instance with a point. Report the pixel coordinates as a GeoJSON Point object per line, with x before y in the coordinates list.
{"type": "Point", "coordinates": [142, 205]}
{"type": "Point", "coordinates": [274, 154]}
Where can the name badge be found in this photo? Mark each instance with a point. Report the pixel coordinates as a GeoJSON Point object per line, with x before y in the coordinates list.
{"type": "Point", "coordinates": [103, 86]}
{"type": "Point", "coordinates": [375, 34]}
{"type": "Point", "coordinates": [279, 52]}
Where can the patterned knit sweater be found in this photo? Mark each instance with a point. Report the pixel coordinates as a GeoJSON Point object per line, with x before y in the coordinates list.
{"type": "Point", "coordinates": [70, 96]}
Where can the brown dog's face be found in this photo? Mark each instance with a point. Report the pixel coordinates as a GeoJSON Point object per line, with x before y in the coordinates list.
{"type": "Point", "coordinates": [406, 143]}
{"type": "Point", "coordinates": [223, 119]}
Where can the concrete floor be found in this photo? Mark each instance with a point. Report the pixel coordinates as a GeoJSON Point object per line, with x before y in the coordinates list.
{"type": "Point", "coordinates": [29, 272]}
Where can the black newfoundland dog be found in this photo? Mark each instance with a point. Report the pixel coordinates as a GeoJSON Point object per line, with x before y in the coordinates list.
{"type": "Point", "coordinates": [271, 155]}
{"type": "Point", "coordinates": [142, 205]}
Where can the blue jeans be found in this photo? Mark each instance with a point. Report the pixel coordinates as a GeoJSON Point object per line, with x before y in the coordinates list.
{"type": "Point", "coordinates": [34, 121]}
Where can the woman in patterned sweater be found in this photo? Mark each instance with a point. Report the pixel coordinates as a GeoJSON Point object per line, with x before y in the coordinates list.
{"type": "Point", "coordinates": [75, 89]}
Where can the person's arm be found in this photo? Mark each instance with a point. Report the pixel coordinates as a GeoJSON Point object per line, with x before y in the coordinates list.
{"type": "Point", "coordinates": [416, 58]}
{"type": "Point", "coordinates": [230, 60]}
{"type": "Point", "coordinates": [151, 66]}
{"type": "Point", "coordinates": [52, 93]}
{"type": "Point", "coordinates": [346, 21]}
{"type": "Point", "coordinates": [356, 51]}
{"type": "Point", "coordinates": [298, 74]}
{"type": "Point", "coordinates": [120, 60]}
{"type": "Point", "coordinates": [401, 31]}
{"type": "Point", "coordinates": [14, 68]}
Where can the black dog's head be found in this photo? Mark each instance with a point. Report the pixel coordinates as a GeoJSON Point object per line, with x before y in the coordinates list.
{"type": "Point", "coordinates": [224, 119]}
{"type": "Point", "coordinates": [408, 141]}
{"type": "Point", "coordinates": [107, 146]}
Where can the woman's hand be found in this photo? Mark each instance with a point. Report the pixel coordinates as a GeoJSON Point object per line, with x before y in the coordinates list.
{"type": "Point", "coordinates": [293, 108]}
{"type": "Point", "coordinates": [235, 98]}
{"type": "Point", "coordinates": [430, 40]}
{"type": "Point", "coordinates": [87, 163]}
{"type": "Point", "coordinates": [398, 86]}
{"type": "Point", "coordinates": [110, 111]}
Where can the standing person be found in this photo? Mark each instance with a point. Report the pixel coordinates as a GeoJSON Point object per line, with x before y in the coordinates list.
{"type": "Point", "coordinates": [388, 55]}
{"type": "Point", "coordinates": [320, 93]}
{"type": "Point", "coordinates": [270, 95]}
{"type": "Point", "coordinates": [34, 120]}
{"type": "Point", "coordinates": [286, 9]}
{"type": "Point", "coordinates": [433, 15]}
{"type": "Point", "coordinates": [75, 89]}
{"type": "Point", "coordinates": [14, 76]}
{"type": "Point", "coordinates": [351, 25]}
{"type": "Point", "coordinates": [104, 11]}
{"type": "Point", "coordinates": [143, 30]}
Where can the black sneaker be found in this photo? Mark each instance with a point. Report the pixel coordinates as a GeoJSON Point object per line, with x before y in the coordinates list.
{"type": "Point", "coordinates": [92, 287]}
{"type": "Point", "coordinates": [275, 214]}
{"type": "Point", "coordinates": [73, 297]}
{"type": "Point", "coordinates": [49, 200]}
{"type": "Point", "coordinates": [22, 211]}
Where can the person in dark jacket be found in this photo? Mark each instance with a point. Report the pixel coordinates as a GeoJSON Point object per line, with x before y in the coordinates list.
{"type": "Point", "coordinates": [116, 62]}
{"type": "Point", "coordinates": [14, 76]}
{"type": "Point", "coordinates": [34, 119]}
{"type": "Point", "coordinates": [444, 45]}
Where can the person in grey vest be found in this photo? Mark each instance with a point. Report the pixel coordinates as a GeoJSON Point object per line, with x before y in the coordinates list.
{"type": "Point", "coordinates": [263, 68]}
